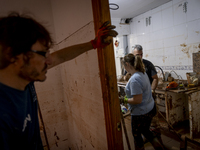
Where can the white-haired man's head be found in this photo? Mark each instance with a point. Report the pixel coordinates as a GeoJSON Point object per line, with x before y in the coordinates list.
{"type": "Point", "coordinates": [138, 50]}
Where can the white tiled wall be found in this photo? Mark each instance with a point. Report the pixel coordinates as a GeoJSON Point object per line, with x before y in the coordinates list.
{"type": "Point", "coordinates": [172, 36]}
{"type": "Point", "coordinates": [122, 29]}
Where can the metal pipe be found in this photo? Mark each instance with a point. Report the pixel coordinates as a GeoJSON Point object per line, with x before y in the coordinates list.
{"type": "Point", "coordinates": [161, 71]}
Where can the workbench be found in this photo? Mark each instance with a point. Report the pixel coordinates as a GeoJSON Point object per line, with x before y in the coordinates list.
{"type": "Point", "coordinates": [179, 106]}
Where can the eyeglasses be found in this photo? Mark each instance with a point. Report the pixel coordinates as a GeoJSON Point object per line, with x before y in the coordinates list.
{"type": "Point", "coordinates": [42, 53]}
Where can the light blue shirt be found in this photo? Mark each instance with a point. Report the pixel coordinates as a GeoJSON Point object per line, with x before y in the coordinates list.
{"type": "Point", "coordinates": [139, 84]}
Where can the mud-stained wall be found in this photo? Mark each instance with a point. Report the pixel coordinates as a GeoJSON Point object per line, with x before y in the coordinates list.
{"type": "Point", "coordinates": [84, 125]}
{"type": "Point", "coordinates": [177, 105]}
{"type": "Point", "coordinates": [70, 99]}
{"type": "Point", "coordinates": [194, 104]}
{"type": "Point", "coordinates": [169, 35]}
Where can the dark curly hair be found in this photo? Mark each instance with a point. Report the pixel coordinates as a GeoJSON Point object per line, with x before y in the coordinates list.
{"type": "Point", "coordinates": [19, 33]}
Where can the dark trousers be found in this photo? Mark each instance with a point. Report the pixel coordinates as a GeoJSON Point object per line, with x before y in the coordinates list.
{"type": "Point", "coordinates": [140, 125]}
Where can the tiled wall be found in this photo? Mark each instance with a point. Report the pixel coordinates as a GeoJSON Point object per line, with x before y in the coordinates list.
{"type": "Point", "coordinates": [171, 36]}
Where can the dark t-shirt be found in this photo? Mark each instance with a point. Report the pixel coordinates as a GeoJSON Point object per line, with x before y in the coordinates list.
{"type": "Point", "coordinates": [19, 126]}
{"type": "Point", "coordinates": [149, 68]}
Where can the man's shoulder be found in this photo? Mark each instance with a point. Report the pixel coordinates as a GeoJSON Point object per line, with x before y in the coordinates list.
{"type": "Point", "coordinates": [146, 61]}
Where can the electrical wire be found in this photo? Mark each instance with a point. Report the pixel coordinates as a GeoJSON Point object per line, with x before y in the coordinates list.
{"type": "Point", "coordinates": [73, 33]}
{"type": "Point", "coordinates": [112, 4]}
{"type": "Point", "coordinates": [161, 71]}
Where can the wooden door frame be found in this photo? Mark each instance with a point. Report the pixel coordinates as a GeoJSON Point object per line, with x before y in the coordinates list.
{"type": "Point", "coordinates": [101, 13]}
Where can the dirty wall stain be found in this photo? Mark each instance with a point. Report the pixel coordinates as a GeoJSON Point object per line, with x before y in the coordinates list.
{"type": "Point", "coordinates": [183, 45]}
{"type": "Point", "coordinates": [185, 49]}
{"type": "Point", "coordinates": [75, 61]}
{"type": "Point", "coordinates": [55, 134]}
{"type": "Point", "coordinates": [164, 58]}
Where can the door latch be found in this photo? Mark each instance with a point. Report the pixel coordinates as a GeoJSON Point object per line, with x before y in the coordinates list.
{"type": "Point", "coordinates": [119, 126]}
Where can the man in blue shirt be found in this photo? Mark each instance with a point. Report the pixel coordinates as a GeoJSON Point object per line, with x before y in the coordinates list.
{"type": "Point", "coordinates": [25, 58]}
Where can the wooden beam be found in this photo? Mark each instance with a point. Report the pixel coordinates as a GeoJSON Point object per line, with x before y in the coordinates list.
{"type": "Point", "coordinates": [101, 13]}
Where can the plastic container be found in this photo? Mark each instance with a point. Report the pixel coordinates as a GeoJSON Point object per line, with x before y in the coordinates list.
{"type": "Point", "coordinates": [123, 109]}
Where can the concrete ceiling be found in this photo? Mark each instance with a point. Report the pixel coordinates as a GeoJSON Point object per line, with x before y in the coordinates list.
{"type": "Point", "coordinates": [133, 8]}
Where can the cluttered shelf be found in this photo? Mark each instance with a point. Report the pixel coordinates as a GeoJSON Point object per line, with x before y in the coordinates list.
{"type": "Point", "coordinates": [177, 90]}
{"type": "Point", "coordinates": [162, 87]}
{"type": "Point", "coordinates": [181, 105]}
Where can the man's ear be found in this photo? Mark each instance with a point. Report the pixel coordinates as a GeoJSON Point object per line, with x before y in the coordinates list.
{"type": "Point", "coordinates": [8, 55]}
{"type": "Point", "coordinates": [19, 59]}
{"type": "Point", "coordinates": [12, 60]}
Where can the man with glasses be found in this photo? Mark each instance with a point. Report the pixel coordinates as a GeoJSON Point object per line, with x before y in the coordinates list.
{"type": "Point", "coordinates": [25, 58]}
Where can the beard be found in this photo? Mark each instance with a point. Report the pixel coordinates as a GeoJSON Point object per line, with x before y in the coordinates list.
{"type": "Point", "coordinates": [32, 74]}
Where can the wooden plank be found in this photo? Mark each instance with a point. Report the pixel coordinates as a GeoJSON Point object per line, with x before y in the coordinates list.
{"type": "Point", "coordinates": [101, 13]}
{"type": "Point", "coordinates": [129, 133]}
{"type": "Point", "coordinates": [189, 89]}
{"type": "Point", "coordinates": [167, 106]}
{"type": "Point", "coordinates": [160, 91]}
{"type": "Point", "coordinates": [190, 116]}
